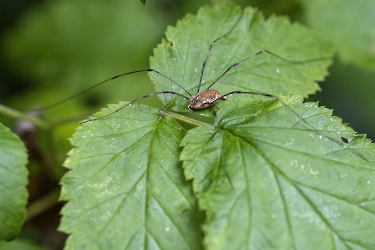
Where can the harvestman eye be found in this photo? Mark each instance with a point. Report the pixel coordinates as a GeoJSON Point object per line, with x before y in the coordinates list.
{"type": "Point", "coordinates": [209, 97]}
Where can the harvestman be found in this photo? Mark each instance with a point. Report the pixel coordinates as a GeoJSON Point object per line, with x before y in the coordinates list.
{"type": "Point", "coordinates": [210, 96]}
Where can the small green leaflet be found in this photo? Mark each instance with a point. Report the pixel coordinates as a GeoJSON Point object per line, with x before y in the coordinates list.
{"type": "Point", "coordinates": [143, 1]}
{"type": "Point", "coordinates": [13, 181]}
{"type": "Point", "coordinates": [292, 187]}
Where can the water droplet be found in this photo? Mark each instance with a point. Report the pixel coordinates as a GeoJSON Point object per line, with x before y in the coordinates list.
{"type": "Point", "coordinates": [196, 70]}
{"type": "Point", "coordinates": [368, 182]}
{"type": "Point", "coordinates": [277, 70]}
{"type": "Point", "coordinates": [167, 229]}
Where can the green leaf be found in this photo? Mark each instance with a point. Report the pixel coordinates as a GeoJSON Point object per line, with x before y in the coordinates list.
{"type": "Point", "coordinates": [126, 188]}
{"type": "Point", "coordinates": [258, 173]}
{"type": "Point", "coordinates": [19, 244]}
{"type": "Point", "coordinates": [293, 187]}
{"type": "Point", "coordinates": [350, 27]}
{"type": "Point", "coordinates": [13, 181]}
{"type": "Point", "coordinates": [182, 54]}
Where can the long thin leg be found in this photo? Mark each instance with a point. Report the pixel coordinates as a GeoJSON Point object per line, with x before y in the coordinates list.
{"type": "Point", "coordinates": [209, 50]}
{"type": "Point", "coordinates": [145, 96]}
{"type": "Point", "coordinates": [266, 51]}
{"type": "Point", "coordinates": [109, 79]}
{"type": "Point", "coordinates": [302, 119]}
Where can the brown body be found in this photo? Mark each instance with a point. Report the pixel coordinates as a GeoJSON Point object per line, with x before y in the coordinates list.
{"type": "Point", "coordinates": [205, 99]}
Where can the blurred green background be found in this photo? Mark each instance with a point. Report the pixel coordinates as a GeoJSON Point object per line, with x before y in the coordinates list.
{"type": "Point", "coordinates": [53, 49]}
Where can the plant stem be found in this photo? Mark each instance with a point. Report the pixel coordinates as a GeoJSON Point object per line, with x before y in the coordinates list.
{"type": "Point", "coordinates": [43, 204]}
{"type": "Point", "coordinates": [19, 115]}
{"type": "Point", "coordinates": [183, 118]}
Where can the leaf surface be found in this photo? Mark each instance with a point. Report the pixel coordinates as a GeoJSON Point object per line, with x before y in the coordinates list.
{"type": "Point", "coordinates": [293, 187]}
{"type": "Point", "coordinates": [182, 54]}
{"type": "Point", "coordinates": [13, 181]}
{"type": "Point", "coordinates": [126, 189]}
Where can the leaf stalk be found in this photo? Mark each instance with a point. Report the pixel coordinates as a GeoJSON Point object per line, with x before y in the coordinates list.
{"type": "Point", "coordinates": [183, 118]}
{"type": "Point", "coordinates": [20, 115]}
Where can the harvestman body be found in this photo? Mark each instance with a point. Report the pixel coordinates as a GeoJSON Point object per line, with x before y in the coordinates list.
{"type": "Point", "coordinates": [204, 100]}
{"type": "Point", "coordinates": [210, 96]}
